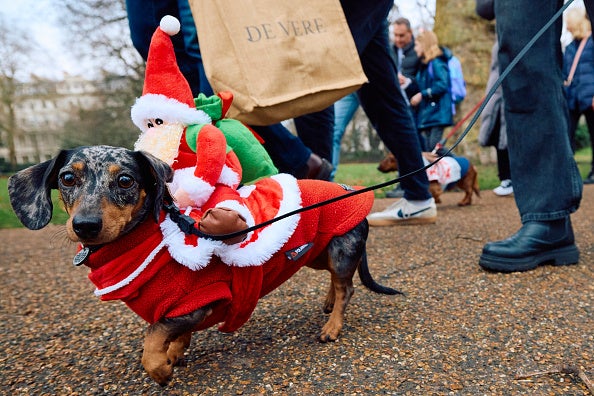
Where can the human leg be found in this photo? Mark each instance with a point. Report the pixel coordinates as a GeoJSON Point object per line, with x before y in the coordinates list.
{"type": "Point", "coordinates": [504, 173]}
{"type": "Point", "coordinates": [434, 136]}
{"type": "Point", "coordinates": [538, 142]}
{"type": "Point", "coordinates": [291, 155]}
{"type": "Point", "coordinates": [344, 109]}
{"type": "Point", "coordinates": [199, 83]}
{"type": "Point", "coordinates": [315, 130]}
{"type": "Point", "coordinates": [381, 98]}
{"type": "Point", "coordinates": [143, 19]}
{"type": "Point", "coordinates": [389, 113]}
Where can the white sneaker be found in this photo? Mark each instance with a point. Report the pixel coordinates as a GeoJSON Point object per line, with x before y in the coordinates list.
{"type": "Point", "coordinates": [405, 212]}
{"type": "Point", "coordinates": [505, 188]}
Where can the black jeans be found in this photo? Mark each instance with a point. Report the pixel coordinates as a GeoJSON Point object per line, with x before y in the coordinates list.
{"type": "Point", "coordinates": [547, 183]}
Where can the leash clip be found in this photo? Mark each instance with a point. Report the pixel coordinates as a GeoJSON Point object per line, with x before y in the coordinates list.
{"type": "Point", "coordinates": [185, 223]}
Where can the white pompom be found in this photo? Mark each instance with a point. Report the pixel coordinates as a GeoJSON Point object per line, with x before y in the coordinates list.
{"type": "Point", "coordinates": [170, 25]}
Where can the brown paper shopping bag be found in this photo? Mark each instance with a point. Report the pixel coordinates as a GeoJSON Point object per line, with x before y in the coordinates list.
{"type": "Point", "coordinates": [279, 58]}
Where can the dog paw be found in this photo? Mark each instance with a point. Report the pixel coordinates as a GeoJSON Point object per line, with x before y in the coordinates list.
{"type": "Point", "coordinates": [330, 332]}
{"type": "Point", "coordinates": [160, 370]}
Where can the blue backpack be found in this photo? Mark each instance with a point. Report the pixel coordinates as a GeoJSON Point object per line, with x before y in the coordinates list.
{"type": "Point", "coordinates": [457, 83]}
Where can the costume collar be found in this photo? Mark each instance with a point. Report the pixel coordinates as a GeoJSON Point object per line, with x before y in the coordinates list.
{"type": "Point", "coordinates": [117, 264]}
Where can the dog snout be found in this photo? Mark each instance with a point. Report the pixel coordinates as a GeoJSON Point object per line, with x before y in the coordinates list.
{"type": "Point", "coordinates": [87, 227]}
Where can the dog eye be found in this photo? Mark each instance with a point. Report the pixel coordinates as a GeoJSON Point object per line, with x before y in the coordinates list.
{"type": "Point", "coordinates": [158, 121]}
{"type": "Point", "coordinates": [68, 179]}
{"type": "Point", "coordinates": [125, 181]}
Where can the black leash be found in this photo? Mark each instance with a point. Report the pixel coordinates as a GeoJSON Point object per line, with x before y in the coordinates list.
{"type": "Point", "coordinates": [188, 224]}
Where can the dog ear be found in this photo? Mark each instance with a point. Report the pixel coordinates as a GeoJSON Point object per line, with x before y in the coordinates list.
{"type": "Point", "coordinates": [157, 174]}
{"type": "Point", "coordinates": [30, 191]}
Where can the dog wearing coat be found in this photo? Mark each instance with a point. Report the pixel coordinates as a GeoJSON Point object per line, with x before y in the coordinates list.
{"type": "Point", "coordinates": [115, 201]}
{"type": "Point", "coordinates": [447, 173]}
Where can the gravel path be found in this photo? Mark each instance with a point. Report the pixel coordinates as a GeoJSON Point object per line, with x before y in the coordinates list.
{"type": "Point", "coordinates": [458, 330]}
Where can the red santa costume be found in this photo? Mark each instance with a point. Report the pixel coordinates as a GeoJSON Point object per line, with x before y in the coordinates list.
{"type": "Point", "coordinates": [163, 113]}
{"type": "Point", "coordinates": [138, 270]}
{"type": "Point", "coordinates": [158, 270]}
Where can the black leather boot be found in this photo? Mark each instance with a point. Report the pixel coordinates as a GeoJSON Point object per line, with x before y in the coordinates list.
{"type": "Point", "coordinates": [536, 243]}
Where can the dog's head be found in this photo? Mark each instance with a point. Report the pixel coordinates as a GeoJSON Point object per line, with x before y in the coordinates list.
{"type": "Point", "coordinates": [106, 191]}
{"type": "Point", "coordinates": [388, 164]}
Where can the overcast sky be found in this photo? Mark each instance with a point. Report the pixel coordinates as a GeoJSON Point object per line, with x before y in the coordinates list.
{"type": "Point", "coordinates": [39, 18]}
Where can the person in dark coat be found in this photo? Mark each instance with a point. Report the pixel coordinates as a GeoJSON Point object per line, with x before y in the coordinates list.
{"type": "Point", "coordinates": [433, 101]}
{"type": "Point", "coordinates": [407, 60]}
{"type": "Point", "coordinates": [547, 183]}
{"type": "Point", "coordinates": [579, 92]}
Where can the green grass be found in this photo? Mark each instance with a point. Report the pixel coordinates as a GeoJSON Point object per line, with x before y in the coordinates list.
{"type": "Point", "coordinates": [9, 220]}
{"type": "Point", "coordinates": [367, 174]}
{"type": "Point", "coordinates": [354, 174]}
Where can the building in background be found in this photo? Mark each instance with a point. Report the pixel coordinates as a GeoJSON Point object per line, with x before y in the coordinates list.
{"type": "Point", "coordinates": [42, 107]}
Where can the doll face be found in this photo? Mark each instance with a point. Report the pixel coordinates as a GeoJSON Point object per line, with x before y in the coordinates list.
{"type": "Point", "coordinates": [161, 139]}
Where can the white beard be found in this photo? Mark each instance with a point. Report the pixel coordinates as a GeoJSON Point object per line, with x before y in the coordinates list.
{"type": "Point", "coordinates": [161, 141]}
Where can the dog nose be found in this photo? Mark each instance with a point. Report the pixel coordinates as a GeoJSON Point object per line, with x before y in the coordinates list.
{"type": "Point", "coordinates": [87, 227]}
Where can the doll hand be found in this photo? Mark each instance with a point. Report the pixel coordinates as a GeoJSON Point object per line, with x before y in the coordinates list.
{"type": "Point", "coordinates": [182, 198]}
{"type": "Point", "coordinates": [219, 221]}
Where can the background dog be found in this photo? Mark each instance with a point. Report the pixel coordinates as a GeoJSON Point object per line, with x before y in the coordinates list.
{"type": "Point", "coordinates": [468, 181]}
{"type": "Point", "coordinates": [114, 198]}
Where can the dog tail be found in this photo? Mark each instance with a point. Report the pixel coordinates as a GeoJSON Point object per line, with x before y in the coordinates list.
{"type": "Point", "coordinates": [368, 280]}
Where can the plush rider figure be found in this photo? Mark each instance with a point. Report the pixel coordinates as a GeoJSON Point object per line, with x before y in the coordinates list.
{"type": "Point", "coordinates": [171, 124]}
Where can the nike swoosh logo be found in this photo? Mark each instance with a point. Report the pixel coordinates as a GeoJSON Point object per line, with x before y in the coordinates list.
{"type": "Point", "coordinates": [406, 216]}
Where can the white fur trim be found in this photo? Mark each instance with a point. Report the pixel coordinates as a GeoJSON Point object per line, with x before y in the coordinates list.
{"type": "Point", "coordinates": [240, 208]}
{"type": "Point", "coordinates": [229, 177]}
{"type": "Point", "coordinates": [273, 237]}
{"type": "Point", "coordinates": [245, 191]}
{"type": "Point", "coordinates": [198, 190]}
{"type": "Point", "coordinates": [193, 257]}
{"type": "Point", "coordinates": [151, 106]}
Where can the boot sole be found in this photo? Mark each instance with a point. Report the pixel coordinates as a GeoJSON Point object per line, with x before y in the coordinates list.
{"type": "Point", "coordinates": [409, 221]}
{"type": "Point", "coordinates": [567, 255]}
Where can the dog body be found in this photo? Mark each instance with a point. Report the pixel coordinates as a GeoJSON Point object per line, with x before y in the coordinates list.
{"type": "Point", "coordinates": [114, 198]}
{"type": "Point", "coordinates": [446, 174]}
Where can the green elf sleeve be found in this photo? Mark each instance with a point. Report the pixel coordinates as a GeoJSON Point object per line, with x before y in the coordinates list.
{"type": "Point", "coordinates": [254, 159]}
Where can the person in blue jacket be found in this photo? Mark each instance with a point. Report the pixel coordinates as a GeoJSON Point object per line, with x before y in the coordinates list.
{"type": "Point", "coordinates": [579, 87]}
{"type": "Point", "coordinates": [434, 101]}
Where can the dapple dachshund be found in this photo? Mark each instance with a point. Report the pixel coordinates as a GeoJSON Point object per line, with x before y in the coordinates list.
{"type": "Point", "coordinates": [468, 181]}
{"type": "Point", "coordinates": [109, 193]}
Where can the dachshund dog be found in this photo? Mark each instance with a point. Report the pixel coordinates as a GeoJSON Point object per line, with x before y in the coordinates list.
{"type": "Point", "coordinates": [109, 193]}
{"type": "Point", "coordinates": [468, 181]}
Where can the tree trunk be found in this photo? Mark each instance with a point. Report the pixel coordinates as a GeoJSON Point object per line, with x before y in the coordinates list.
{"type": "Point", "coordinates": [470, 38]}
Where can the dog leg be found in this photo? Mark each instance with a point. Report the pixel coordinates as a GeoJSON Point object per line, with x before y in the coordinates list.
{"type": "Point", "coordinates": [165, 343]}
{"type": "Point", "coordinates": [177, 349]}
{"type": "Point", "coordinates": [467, 184]}
{"type": "Point", "coordinates": [329, 301]}
{"type": "Point", "coordinates": [155, 359]}
{"type": "Point", "coordinates": [435, 190]}
{"type": "Point", "coordinates": [344, 254]}
{"type": "Point", "coordinates": [343, 291]}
